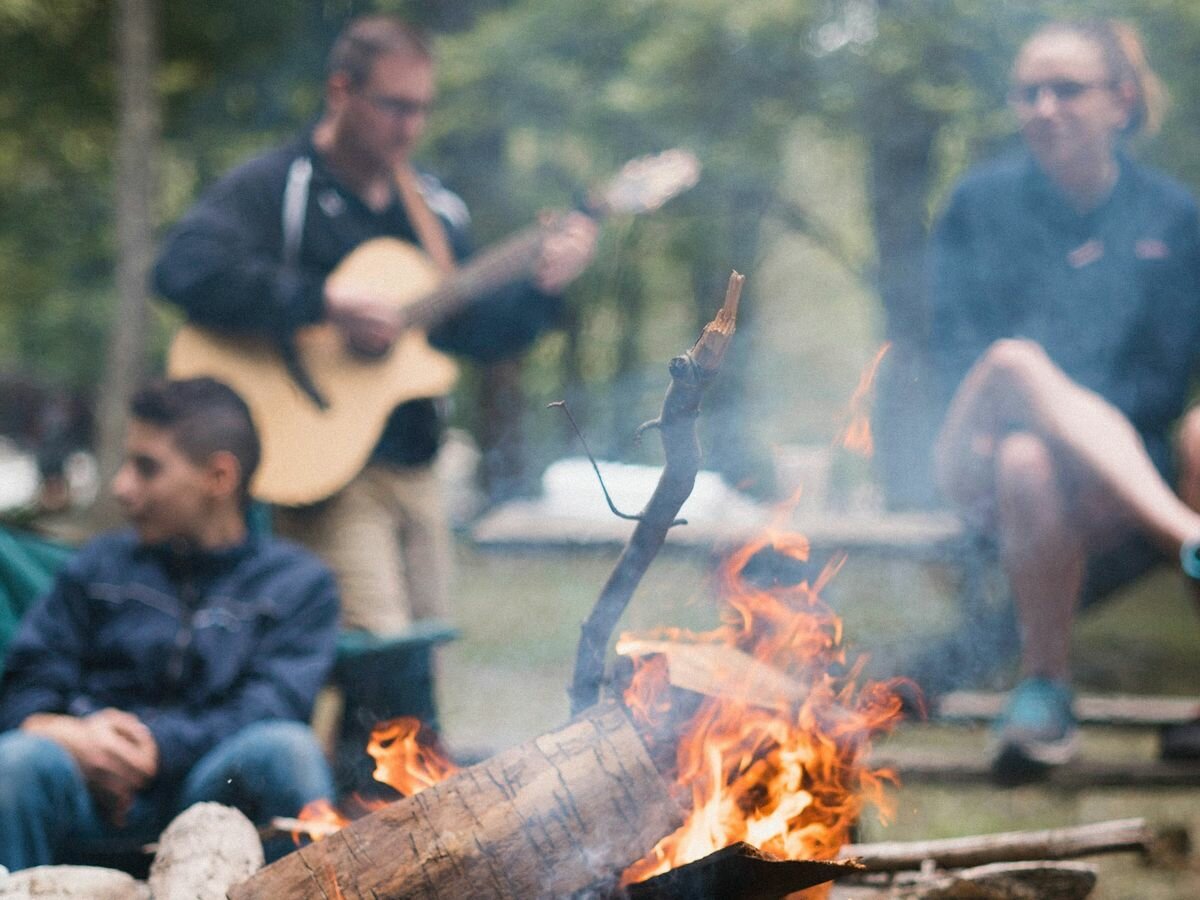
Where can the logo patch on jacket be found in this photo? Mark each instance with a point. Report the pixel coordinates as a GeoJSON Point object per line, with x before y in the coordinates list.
{"type": "Point", "coordinates": [331, 203]}
{"type": "Point", "coordinates": [1151, 248]}
{"type": "Point", "coordinates": [1086, 253]}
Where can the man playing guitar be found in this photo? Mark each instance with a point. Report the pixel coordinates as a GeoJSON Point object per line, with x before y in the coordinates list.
{"type": "Point", "coordinates": [253, 257]}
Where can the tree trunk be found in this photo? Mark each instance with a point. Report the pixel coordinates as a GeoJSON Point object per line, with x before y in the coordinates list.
{"type": "Point", "coordinates": [501, 404]}
{"type": "Point", "coordinates": [137, 143]}
{"type": "Point", "coordinates": [900, 136]}
{"type": "Point", "coordinates": [730, 444]}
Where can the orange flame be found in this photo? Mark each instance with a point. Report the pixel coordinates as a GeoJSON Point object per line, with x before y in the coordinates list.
{"type": "Point", "coordinates": [784, 773]}
{"type": "Point", "coordinates": [856, 436]}
{"type": "Point", "coordinates": [407, 757]}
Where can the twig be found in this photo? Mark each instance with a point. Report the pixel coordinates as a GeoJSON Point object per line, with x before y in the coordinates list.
{"type": "Point", "coordinates": [562, 404]}
{"type": "Point", "coordinates": [691, 374]}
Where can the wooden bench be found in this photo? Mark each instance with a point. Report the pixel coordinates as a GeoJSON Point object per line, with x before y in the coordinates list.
{"type": "Point", "coordinates": [924, 538]}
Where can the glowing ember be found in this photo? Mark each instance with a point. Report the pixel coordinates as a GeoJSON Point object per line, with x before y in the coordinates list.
{"type": "Point", "coordinates": [783, 770]}
{"type": "Point", "coordinates": [856, 436]}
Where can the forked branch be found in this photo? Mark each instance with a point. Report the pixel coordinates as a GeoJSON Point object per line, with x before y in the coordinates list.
{"type": "Point", "coordinates": [691, 375]}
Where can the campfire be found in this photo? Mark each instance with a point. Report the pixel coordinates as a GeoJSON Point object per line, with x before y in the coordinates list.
{"type": "Point", "coordinates": [764, 727]}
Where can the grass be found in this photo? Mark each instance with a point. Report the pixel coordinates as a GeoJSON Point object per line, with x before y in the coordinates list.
{"type": "Point", "coordinates": [505, 682]}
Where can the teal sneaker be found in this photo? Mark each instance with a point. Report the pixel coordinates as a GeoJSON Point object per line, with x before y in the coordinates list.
{"type": "Point", "coordinates": [1036, 732]}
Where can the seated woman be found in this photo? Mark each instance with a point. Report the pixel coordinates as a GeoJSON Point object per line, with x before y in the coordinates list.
{"type": "Point", "coordinates": [1066, 319]}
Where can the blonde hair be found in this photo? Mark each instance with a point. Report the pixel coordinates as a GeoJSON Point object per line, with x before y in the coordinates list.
{"type": "Point", "coordinates": [1125, 58]}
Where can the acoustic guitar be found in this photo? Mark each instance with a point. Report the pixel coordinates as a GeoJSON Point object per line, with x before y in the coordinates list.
{"type": "Point", "coordinates": [320, 414]}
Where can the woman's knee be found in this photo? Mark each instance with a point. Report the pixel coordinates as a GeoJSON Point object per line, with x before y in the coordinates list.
{"type": "Point", "coordinates": [1187, 440]}
{"type": "Point", "coordinates": [1018, 361]}
{"type": "Point", "coordinates": [1025, 464]}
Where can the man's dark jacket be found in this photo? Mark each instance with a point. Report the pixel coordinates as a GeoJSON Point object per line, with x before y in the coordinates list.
{"type": "Point", "coordinates": [198, 645]}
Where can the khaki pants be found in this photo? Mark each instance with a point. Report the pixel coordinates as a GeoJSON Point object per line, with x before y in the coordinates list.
{"type": "Point", "coordinates": [387, 539]}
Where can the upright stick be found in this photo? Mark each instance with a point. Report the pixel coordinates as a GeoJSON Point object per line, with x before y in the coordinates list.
{"type": "Point", "coordinates": [691, 375]}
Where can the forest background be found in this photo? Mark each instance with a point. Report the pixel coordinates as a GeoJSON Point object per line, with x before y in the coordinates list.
{"type": "Point", "coordinates": [829, 131]}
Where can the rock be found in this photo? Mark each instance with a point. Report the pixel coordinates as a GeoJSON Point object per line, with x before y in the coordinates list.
{"type": "Point", "coordinates": [55, 882]}
{"type": "Point", "coordinates": [203, 852]}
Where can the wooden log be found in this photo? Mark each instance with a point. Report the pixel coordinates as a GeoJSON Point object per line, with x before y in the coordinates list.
{"type": "Point", "coordinates": [561, 814]}
{"type": "Point", "coordinates": [927, 767]}
{"type": "Point", "coordinates": [1009, 846]}
{"type": "Point", "coordinates": [1017, 881]}
{"type": "Point", "coordinates": [997, 881]}
{"type": "Point", "coordinates": [738, 872]}
{"type": "Point", "coordinates": [1116, 710]}
{"type": "Point", "coordinates": [719, 670]}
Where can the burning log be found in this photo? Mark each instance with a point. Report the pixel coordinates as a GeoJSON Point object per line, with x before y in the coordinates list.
{"type": "Point", "coordinates": [718, 670]}
{"type": "Point", "coordinates": [691, 375]}
{"type": "Point", "coordinates": [1010, 846]}
{"type": "Point", "coordinates": [563, 813]}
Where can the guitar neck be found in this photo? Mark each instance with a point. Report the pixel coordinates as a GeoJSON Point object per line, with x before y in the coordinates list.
{"type": "Point", "coordinates": [507, 262]}
{"type": "Point", "coordinates": [642, 185]}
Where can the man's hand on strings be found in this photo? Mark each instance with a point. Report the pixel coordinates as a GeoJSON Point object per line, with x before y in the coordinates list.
{"type": "Point", "coordinates": [566, 251]}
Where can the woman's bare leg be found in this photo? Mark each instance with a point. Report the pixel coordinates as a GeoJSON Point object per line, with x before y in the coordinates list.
{"type": "Point", "coordinates": [1043, 552]}
{"type": "Point", "coordinates": [1016, 387]}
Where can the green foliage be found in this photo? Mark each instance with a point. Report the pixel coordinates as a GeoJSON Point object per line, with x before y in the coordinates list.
{"type": "Point", "coordinates": [540, 99]}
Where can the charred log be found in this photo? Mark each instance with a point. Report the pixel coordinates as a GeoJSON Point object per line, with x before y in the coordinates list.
{"type": "Point", "coordinates": [738, 872]}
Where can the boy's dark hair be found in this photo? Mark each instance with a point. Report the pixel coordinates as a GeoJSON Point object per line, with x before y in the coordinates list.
{"type": "Point", "coordinates": [204, 416]}
{"type": "Point", "coordinates": [367, 38]}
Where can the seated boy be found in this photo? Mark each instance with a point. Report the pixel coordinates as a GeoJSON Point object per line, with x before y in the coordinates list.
{"type": "Point", "coordinates": [173, 662]}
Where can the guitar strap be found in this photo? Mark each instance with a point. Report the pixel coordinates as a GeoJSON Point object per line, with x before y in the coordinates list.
{"type": "Point", "coordinates": [295, 208]}
{"type": "Point", "coordinates": [431, 234]}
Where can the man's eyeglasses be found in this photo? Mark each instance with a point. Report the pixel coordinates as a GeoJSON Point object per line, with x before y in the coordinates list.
{"type": "Point", "coordinates": [398, 107]}
{"type": "Point", "coordinates": [1063, 90]}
